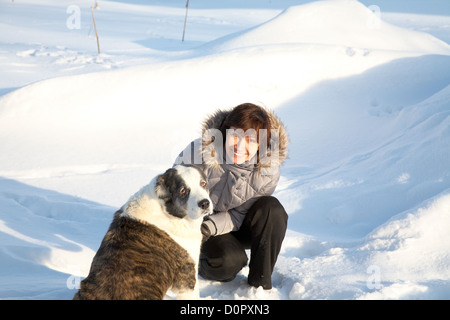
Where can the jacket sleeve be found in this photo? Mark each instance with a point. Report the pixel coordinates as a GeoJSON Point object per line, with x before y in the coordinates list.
{"type": "Point", "coordinates": [232, 219]}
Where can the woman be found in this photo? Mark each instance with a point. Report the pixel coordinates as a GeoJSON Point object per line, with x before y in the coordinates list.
{"type": "Point", "coordinates": [241, 151]}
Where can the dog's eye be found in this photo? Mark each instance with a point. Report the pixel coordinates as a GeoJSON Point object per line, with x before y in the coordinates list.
{"type": "Point", "coordinates": [203, 183]}
{"type": "Point", "coordinates": [183, 191]}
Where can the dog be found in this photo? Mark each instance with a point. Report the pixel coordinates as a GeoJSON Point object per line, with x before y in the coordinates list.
{"type": "Point", "coordinates": [153, 243]}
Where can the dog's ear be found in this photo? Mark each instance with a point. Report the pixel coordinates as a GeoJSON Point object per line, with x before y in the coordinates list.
{"type": "Point", "coordinates": [160, 187]}
{"type": "Point", "coordinates": [161, 184]}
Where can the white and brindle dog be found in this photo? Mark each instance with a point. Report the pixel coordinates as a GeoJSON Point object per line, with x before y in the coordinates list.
{"type": "Point", "coordinates": [153, 243]}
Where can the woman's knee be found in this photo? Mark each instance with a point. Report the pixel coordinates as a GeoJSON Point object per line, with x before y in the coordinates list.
{"type": "Point", "coordinates": [272, 208]}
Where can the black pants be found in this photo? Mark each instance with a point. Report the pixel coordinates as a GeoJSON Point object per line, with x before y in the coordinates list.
{"type": "Point", "coordinates": [262, 231]}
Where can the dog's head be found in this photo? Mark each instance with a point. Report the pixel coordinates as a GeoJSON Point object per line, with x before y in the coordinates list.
{"type": "Point", "coordinates": [184, 191]}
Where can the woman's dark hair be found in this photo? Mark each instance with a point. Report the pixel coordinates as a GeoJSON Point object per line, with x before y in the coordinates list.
{"type": "Point", "coordinates": [247, 116]}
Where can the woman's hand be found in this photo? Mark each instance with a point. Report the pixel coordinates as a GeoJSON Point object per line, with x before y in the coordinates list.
{"type": "Point", "coordinates": [206, 228]}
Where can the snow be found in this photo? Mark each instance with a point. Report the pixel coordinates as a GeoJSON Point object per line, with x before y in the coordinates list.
{"type": "Point", "coordinates": [362, 87]}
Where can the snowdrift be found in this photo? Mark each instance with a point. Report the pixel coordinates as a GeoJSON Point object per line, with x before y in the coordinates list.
{"type": "Point", "coordinates": [401, 259]}
{"type": "Point", "coordinates": [346, 23]}
{"type": "Point", "coordinates": [366, 186]}
{"type": "Point", "coordinates": [369, 149]}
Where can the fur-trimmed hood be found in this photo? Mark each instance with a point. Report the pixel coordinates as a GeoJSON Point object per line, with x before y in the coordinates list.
{"type": "Point", "coordinates": [235, 188]}
{"type": "Point", "coordinates": [277, 151]}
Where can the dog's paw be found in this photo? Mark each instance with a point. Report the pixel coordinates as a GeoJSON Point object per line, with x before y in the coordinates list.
{"type": "Point", "coordinates": [188, 295]}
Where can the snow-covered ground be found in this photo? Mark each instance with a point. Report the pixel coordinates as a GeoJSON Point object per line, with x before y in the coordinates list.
{"type": "Point", "coordinates": [362, 86]}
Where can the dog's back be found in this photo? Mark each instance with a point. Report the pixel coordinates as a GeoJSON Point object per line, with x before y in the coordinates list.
{"type": "Point", "coordinates": [124, 266]}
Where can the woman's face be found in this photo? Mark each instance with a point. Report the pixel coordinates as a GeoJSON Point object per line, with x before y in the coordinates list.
{"type": "Point", "coordinates": [240, 146]}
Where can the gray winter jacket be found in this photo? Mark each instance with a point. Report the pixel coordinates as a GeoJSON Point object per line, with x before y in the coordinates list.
{"type": "Point", "coordinates": [235, 188]}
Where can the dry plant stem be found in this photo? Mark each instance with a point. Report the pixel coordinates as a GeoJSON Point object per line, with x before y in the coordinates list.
{"type": "Point", "coordinates": [185, 19]}
{"type": "Point", "coordinates": [95, 28]}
